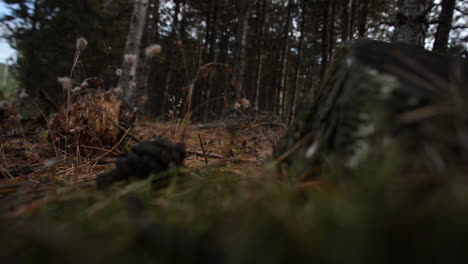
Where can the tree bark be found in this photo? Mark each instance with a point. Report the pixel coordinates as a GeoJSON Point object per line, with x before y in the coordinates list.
{"type": "Point", "coordinates": [444, 27]}
{"type": "Point", "coordinates": [132, 48]}
{"type": "Point", "coordinates": [411, 23]}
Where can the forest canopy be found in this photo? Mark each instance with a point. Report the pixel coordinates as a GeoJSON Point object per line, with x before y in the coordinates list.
{"type": "Point", "coordinates": [273, 52]}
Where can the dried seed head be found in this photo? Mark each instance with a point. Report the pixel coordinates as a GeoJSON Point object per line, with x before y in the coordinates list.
{"type": "Point", "coordinates": [142, 100]}
{"type": "Point", "coordinates": [76, 89]}
{"type": "Point", "coordinates": [65, 82]}
{"type": "Point", "coordinates": [245, 103]}
{"type": "Point", "coordinates": [152, 50]}
{"type": "Point", "coordinates": [4, 105]}
{"type": "Point", "coordinates": [118, 90]}
{"type": "Point", "coordinates": [23, 94]}
{"type": "Point", "coordinates": [130, 57]}
{"type": "Point", "coordinates": [81, 44]}
{"type": "Point", "coordinates": [118, 72]}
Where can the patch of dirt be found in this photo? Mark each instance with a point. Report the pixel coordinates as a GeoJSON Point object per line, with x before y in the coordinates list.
{"type": "Point", "coordinates": [32, 169]}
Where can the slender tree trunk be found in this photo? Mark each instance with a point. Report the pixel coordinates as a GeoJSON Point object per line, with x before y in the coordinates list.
{"type": "Point", "coordinates": [150, 37]}
{"type": "Point", "coordinates": [292, 107]}
{"type": "Point", "coordinates": [411, 23]}
{"type": "Point", "coordinates": [284, 77]}
{"type": "Point", "coordinates": [345, 23]}
{"type": "Point", "coordinates": [363, 13]}
{"type": "Point", "coordinates": [222, 57]}
{"type": "Point", "coordinates": [261, 29]}
{"type": "Point", "coordinates": [245, 7]}
{"type": "Point", "coordinates": [30, 53]}
{"type": "Point", "coordinates": [284, 92]}
{"type": "Point", "coordinates": [331, 29]}
{"type": "Point", "coordinates": [352, 17]}
{"type": "Point", "coordinates": [211, 41]}
{"type": "Point", "coordinates": [444, 27]}
{"type": "Point", "coordinates": [324, 40]}
{"type": "Point", "coordinates": [132, 51]}
{"type": "Point", "coordinates": [171, 58]}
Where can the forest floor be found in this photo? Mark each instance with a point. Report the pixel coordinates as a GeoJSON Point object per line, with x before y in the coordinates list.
{"type": "Point", "coordinates": [224, 206]}
{"type": "Point", "coordinates": [33, 168]}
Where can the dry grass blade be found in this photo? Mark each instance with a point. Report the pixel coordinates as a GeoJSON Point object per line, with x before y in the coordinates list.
{"type": "Point", "coordinates": [114, 147]}
{"type": "Point", "coordinates": [424, 113]}
{"type": "Point", "coordinates": [5, 172]}
{"type": "Point", "coordinates": [28, 208]}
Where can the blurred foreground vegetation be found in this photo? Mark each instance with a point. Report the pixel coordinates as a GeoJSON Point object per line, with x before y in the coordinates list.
{"type": "Point", "coordinates": [224, 215]}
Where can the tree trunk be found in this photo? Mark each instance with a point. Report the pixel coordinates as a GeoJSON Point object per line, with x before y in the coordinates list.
{"type": "Point", "coordinates": [172, 54]}
{"type": "Point", "coordinates": [363, 11]}
{"type": "Point", "coordinates": [352, 17]}
{"type": "Point", "coordinates": [211, 41]}
{"type": "Point", "coordinates": [261, 30]}
{"type": "Point", "coordinates": [150, 37]}
{"type": "Point", "coordinates": [373, 96]}
{"type": "Point", "coordinates": [324, 40]}
{"type": "Point", "coordinates": [444, 27]}
{"type": "Point", "coordinates": [132, 51]}
{"type": "Point", "coordinates": [331, 29]}
{"type": "Point", "coordinates": [30, 54]}
{"type": "Point", "coordinates": [411, 24]}
{"type": "Point", "coordinates": [292, 107]}
{"type": "Point", "coordinates": [284, 60]}
{"type": "Point", "coordinates": [221, 83]}
{"type": "Point", "coordinates": [245, 6]}
{"type": "Point", "coordinates": [345, 23]}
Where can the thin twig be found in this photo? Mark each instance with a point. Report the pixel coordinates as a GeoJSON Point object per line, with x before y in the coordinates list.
{"type": "Point", "coordinates": [124, 130]}
{"type": "Point", "coordinates": [5, 173]}
{"type": "Point", "coordinates": [2, 148]}
{"type": "Point", "coordinates": [296, 146]}
{"type": "Point", "coordinates": [203, 149]}
{"type": "Point", "coordinates": [49, 99]}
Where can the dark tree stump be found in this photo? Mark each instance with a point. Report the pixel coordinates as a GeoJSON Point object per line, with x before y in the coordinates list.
{"type": "Point", "coordinates": [377, 94]}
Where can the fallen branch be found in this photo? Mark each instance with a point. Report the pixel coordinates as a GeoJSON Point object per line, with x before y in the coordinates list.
{"type": "Point", "coordinates": [124, 130]}
{"type": "Point", "coordinates": [209, 155]}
